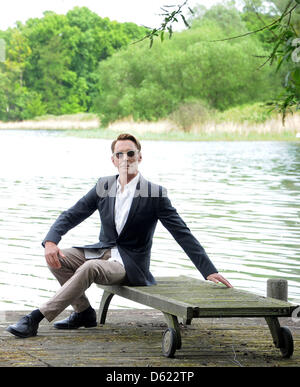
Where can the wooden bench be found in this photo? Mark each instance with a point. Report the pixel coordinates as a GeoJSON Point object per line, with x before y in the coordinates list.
{"type": "Point", "coordinates": [189, 298]}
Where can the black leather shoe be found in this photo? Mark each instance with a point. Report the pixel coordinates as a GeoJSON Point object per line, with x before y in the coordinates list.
{"type": "Point", "coordinates": [77, 320]}
{"type": "Point", "coordinates": [25, 327]}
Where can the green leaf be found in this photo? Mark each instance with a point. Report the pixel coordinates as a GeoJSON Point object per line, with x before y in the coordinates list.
{"type": "Point", "coordinates": [273, 27]}
{"type": "Point", "coordinates": [296, 76]}
{"type": "Point", "coordinates": [280, 60]}
{"type": "Point", "coordinates": [287, 79]}
{"type": "Point", "coordinates": [185, 22]}
{"type": "Point", "coordinates": [151, 41]}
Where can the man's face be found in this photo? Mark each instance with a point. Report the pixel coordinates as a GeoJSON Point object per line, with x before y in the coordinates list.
{"type": "Point", "coordinates": [126, 157]}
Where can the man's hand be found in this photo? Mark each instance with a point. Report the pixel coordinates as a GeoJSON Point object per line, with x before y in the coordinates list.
{"type": "Point", "coordinates": [52, 253]}
{"type": "Point", "coordinates": [216, 277]}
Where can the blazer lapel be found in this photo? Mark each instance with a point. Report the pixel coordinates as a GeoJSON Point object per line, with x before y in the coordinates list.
{"type": "Point", "coordinates": [112, 192]}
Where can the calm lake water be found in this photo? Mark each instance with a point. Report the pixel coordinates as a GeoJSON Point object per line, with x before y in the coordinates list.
{"type": "Point", "coordinates": [241, 200]}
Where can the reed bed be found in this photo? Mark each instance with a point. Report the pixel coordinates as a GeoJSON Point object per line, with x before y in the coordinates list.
{"type": "Point", "coordinates": [89, 126]}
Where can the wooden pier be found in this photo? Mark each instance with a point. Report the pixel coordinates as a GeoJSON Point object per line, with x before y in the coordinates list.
{"type": "Point", "coordinates": [133, 337]}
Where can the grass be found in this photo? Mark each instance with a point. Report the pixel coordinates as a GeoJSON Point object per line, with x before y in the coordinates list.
{"type": "Point", "coordinates": [184, 136]}
{"type": "Point", "coordinates": [78, 117]}
{"type": "Point", "coordinates": [242, 123]}
{"type": "Point", "coordinates": [255, 113]}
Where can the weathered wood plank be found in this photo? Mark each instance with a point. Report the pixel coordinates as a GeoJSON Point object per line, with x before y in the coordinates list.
{"type": "Point", "coordinates": [164, 304]}
{"type": "Point", "coordinates": [190, 297]}
{"type": "Point", "coordinates": [132, 337]}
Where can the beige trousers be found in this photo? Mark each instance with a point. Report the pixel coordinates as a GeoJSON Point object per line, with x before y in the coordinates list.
{"type": "Point", "coordinates": [75, 275]}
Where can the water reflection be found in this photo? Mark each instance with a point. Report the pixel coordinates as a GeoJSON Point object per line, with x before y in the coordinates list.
{"type": "Point", "coordinates": [241, 200]}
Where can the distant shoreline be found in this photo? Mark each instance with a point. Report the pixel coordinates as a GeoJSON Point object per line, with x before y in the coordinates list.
{"type": "Point", "coordinates": [87, 125]}
{"type": "Point", "coordinates": [79, 121]}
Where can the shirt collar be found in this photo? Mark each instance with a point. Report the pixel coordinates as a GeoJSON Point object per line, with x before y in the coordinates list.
{"type": "Point", "coordinates": [131, 185]}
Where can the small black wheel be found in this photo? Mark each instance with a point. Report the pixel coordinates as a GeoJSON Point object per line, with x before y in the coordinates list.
{"type": "Point", "coordinates": [287, 343]}
{"type": "Point", "coordinates": [169, 342]}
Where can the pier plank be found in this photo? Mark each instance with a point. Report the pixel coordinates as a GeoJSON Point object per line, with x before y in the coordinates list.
{"type": "Point", "coordinates": [132, 338]}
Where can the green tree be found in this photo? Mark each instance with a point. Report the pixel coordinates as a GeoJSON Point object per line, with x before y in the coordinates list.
{"type": "Point", "coordinates": [3, 95]}
{"type": "Point", "coordinates": [152, 83]}
{"type": "Point", "coordinates": [285, 29]}
{"type": "Point", "coordinates": [227, 17]}
{"type": "Point", "coordinates": [294, 17]}
{"type": "Point", "coordinates": [17, 54]}
{"type": "Point", "coordinates": [17, 102]}
{"type": "Point", "coordinates": [62, 91]}
{"type": "Point", "coordinates": [52, 61]}
{"type": "Point", "coordinates": [96, 39]}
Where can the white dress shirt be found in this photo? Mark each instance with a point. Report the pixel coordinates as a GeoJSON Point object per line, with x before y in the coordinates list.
{"type": "Point", "coordinates": [122, 207]}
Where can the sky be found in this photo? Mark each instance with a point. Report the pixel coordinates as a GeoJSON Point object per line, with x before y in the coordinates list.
{"type": "Point", "coordinates": [141, 12]}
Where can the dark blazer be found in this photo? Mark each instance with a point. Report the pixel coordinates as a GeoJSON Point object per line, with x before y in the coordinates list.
{"type": "Point", "coordinates": [150, 204]}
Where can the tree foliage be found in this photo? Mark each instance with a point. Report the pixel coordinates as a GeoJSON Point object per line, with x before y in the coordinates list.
{"type": "Point", "coordinates": [51, 62]}
{"type": "Point", "coordinates": [78, 62]}
{"type": "Point", "coordinates": [149, 82]}
{"type": "Point", "coordinates": [279, 29]}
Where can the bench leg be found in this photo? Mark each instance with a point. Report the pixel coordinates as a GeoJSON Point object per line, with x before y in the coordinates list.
{"type": "Point", "coordinates": [105, 301]}
{"type": "Point", "coordinates": [282, 337]}
{"type": "Point", "coordinates": [274, 327]}
{"type": "Point", "coordinates": [172, 322]}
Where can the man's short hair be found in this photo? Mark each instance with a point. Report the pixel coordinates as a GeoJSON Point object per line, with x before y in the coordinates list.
{"type": "Point", "coordinates": [126, 136]}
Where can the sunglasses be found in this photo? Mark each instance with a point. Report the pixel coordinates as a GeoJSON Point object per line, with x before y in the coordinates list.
{"type": "Point", "coordinates": [130, 154]}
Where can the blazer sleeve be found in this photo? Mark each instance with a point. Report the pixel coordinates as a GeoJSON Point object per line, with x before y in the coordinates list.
{"type": "Point", "coordinates": [73, 216]}
{"type": "Point", "coordinates": [170, 219]}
